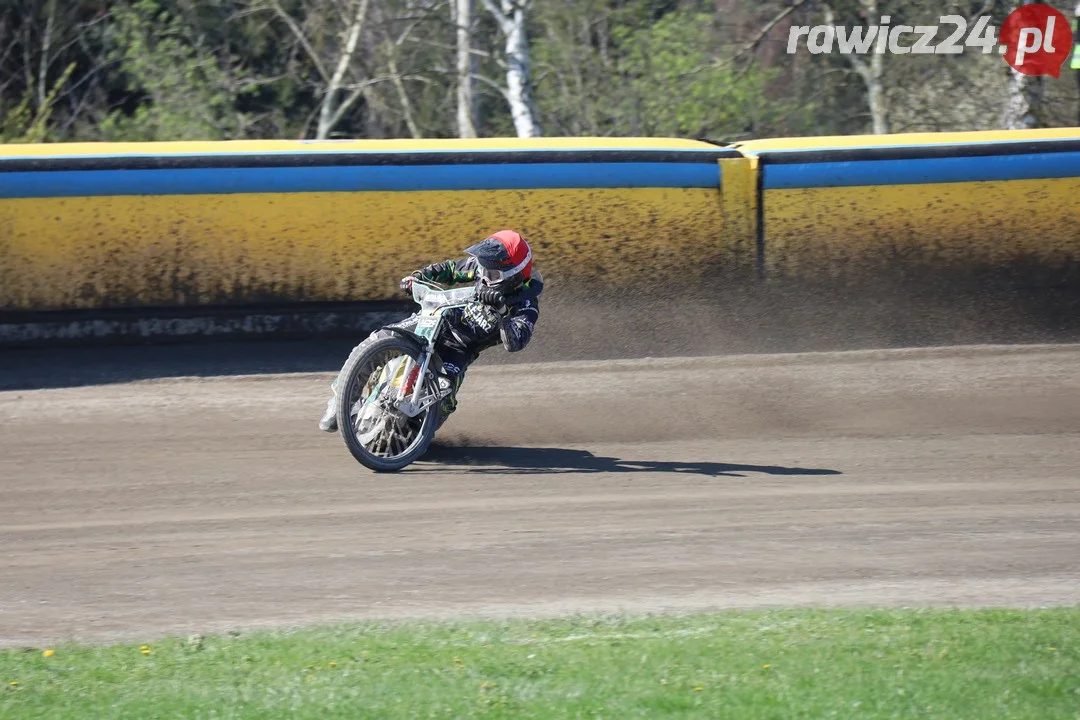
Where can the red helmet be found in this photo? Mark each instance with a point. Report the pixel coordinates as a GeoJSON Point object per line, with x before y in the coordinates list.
{"type": "Point", "coordinates": [504, 260]}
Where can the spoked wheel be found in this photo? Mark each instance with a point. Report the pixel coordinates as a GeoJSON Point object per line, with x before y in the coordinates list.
{"type": "Point", "coordinates": [379, 435]}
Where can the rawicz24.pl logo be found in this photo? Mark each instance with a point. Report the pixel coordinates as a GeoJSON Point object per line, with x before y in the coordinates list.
{"type": "Point", "coordinates": [1034, 39]}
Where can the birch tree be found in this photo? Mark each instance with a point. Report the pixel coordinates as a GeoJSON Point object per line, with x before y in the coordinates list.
{"type": "Point", "coordinates": [333, 106]}
{"type": "Point", "coordinates": [176, 69]}
{"type": "Point", "coordinates": [343, 78]}
{"type": "Point", "coordinates": [1023, 97]}
{"type": "Point", "coordinates": [392, 43]}
{"type": "Point", "coordinates": [511, 17]}
{"type": "Point", "coordinates": [872, 71]}
{"type": "Point", "coordinates": [466, 68]}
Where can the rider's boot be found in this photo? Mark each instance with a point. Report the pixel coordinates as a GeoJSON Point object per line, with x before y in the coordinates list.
{"type": "Point", "coordinates": [328, 423]}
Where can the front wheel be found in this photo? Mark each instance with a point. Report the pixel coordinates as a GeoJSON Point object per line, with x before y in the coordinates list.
{"type": "Point", "coordinates": [378, 435]}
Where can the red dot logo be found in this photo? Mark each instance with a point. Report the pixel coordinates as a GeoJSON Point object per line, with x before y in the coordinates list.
{"type": "Point", "coordinates": [1037, 40]}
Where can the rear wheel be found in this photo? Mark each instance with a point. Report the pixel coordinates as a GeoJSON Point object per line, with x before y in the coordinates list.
{"type": "Point", "coordinates": [378, 435]}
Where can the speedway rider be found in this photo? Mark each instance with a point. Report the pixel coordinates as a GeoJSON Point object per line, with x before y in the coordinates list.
{"type": "Point", "coordinates": [506, 309]}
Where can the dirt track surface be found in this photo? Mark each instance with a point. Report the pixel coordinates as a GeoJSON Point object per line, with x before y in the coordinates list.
{"type": "Point", "coordinates": [914, 477]}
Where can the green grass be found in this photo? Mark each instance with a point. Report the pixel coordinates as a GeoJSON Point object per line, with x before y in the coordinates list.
{"type": "Point", "coordinates": [774, 664]}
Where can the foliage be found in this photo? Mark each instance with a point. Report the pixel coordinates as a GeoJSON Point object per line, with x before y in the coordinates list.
{"type": "Point", "coordinates": [701, 95]}
{"type": "Point", "coordinates": [186, 69]}
{"type": "Point", "coordinates": [22, 124]}
{"type": "Point", "coordinates": [184, 91]}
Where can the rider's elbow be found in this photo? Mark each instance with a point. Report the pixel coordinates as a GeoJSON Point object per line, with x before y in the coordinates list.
{"type": "Point", "coordinates": [514, 341]}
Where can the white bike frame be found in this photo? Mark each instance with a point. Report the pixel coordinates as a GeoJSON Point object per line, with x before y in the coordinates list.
{"type": "Point", "coordinates": [434, 302]}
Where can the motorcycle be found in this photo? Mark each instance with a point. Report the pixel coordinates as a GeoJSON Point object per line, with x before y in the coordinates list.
{"type": "Point", "coordinates": [391, 389]}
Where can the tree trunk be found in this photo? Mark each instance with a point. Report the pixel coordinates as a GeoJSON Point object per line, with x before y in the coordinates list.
{"type": "Point", "coordinates": [331, 111]}
{"type": "Point", "coordinates": [875, 93]}
{"type": "Point", "coordinates": [518, 75]}
{"type": "Point", "coordinates": [46, 47]}
{"type": "Point", "coordinates": [402, 93]}
{"type": "Point", "coordinates": [872, 72]}
{"type": "Point", "coordinates": [511, 18]}
{"type": "Point", "coordinates": [466, 68]}
{"type": "Point", "coordinates": [1022, 100]}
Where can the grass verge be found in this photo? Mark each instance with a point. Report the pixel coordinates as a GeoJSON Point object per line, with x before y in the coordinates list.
{"type": "Point", "coordinates": [763, 664]}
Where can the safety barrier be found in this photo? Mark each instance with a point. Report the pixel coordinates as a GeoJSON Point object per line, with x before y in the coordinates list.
{"type": "Point", "coordinates": [181, 224]}
{"type": "Point", "coordinates": [859, 207]}
{"type": "Point", "coordinates": [112, 227]}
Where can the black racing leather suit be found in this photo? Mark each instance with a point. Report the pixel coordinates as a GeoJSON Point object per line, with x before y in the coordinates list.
{"type": "Point", "coordinates": [470, 330]}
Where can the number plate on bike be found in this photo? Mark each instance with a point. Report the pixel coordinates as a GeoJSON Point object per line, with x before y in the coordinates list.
{"type": "Point", "coordinates": [426, 326]}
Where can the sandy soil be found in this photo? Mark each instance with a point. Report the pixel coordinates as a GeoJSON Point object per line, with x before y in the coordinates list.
{"type": "Point", "coordinates": [914, 477]}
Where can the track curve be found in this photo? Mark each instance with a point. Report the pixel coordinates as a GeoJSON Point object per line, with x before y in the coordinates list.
{"type": "Point", "coordinates": [930, 476]}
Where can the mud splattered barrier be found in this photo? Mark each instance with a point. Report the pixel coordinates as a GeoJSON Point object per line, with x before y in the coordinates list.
{"type": "Point", "coordinates": [151, 241]}
{"type": "Point", "coordinates": [945, 203]}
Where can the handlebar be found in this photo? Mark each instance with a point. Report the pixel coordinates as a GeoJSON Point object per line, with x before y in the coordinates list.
{"type": "Point", "coordinates": [428, 284]}
{"type": "Point", "coordinates": [431, 295]}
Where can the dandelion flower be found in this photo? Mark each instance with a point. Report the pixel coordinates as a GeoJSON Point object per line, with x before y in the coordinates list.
{"type": "Point", "coordinates": [14, 683]}
{"type": "Point", "coordinates": [144, 649]}
{"type": "Point", "coordinates": [698, 688]}
{"type": "Point", "coordinates": [331, 664]}
{"type": "Point", "coordinates": [49, 653]}
{"type": "Point", "coordinates": [766, 666]}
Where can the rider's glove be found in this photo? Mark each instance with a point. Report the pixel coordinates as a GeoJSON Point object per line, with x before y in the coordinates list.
{"type": "Point", "coordinates": [493, 299]}
{"type": "Point", "coordinates": [407, 281]}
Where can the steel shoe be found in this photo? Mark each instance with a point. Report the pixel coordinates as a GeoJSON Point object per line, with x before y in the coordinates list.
{"type": "Point", "coordinates": [328, 423]}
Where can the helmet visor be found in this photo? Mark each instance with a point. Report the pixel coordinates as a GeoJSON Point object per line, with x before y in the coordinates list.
{"type": "Point", "coordinates": [494, 276]}
{"type": "Point", "coordinates": [491, 276]}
